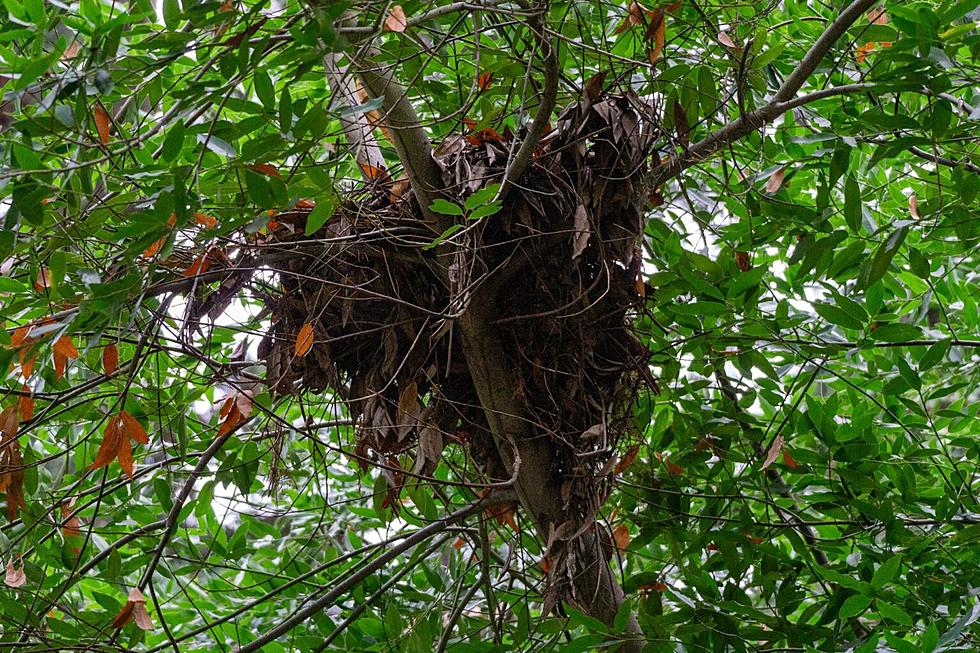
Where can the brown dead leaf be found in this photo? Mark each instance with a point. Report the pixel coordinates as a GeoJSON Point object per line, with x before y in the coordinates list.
{"type": "Point", "coordinates": [304, 340]}
{"type": "Point", "coordinates": [43, 281]}
{"type": "Point", "coordinates": [200, 265]}
{"type": "Point", "coordinates": [101, 118]}
{"type": "Point", "coordinates": [205, 220]}
{"type": "Point", "coordinates": [789, 460]}
{"type": "Point", "coordinates": [25, 406]}
{"type": "Point", "coordinates": [505, 514]}
{"type": "Point", "coordinates": [774, 449]}
{"type": "Point", "coordinates": [914, 206]}
{"type": "Point", "coordinates": [621, 536]}
{"type": "Point", "coordinates": [110, 358]}
{"type": "Point", "coordinates": [743, 261]}
{"type": "Point", "coordinates": [775, 181]}
{"type": "Point", "coordinates": [15, 576]}
{"type": "Point", "coordinates": [484, 81]}
{"type": "Point", "coordinates": [266, 169]}
{"type": "Point", "coordinates": [372, 173]}
{"type": "Point", "coordinates": [71, 525]}
{"type": "Point", "coordinates": [582, 231]}
{"type": "Point", "coordinates": [627, 460]}
{"type": "Point", "coordinates": [11, 462]}
{"type": "Point", "coordinates": [726, 40]}
{"type": "Point", "coordinates": [117, 443]}
{"type": "Point", "coordinates": [396, 20]}
{"type": "Point", "coordinates": [64, 350]}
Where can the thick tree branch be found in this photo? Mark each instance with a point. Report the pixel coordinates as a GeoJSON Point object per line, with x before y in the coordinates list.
{"type": "Point", "coordinates": [781, 102]}
{"type": "Point", "coordinates": [549, 51]}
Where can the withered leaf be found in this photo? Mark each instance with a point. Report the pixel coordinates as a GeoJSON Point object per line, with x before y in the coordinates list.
{"type": "Point", "coordinates": [64, 350]}
{"type": "Point", "coordinates": [110, 358]}
{"type": "Point", "coordinates": [774, 449]}
{"type": "Point", "coordinates": [621, 536]}
{"type": "Point", "coordinates": [14, 576]}
{"type": "Point", "coordinates": [101, 118]}
{"type": "Point", "coordinates": [396, 20]}
{"type": "Point", "coordinates": [25, 405]}
{"type": "Point", "coordinates": [304, 340]}
{"type": "Point", "coordinates": [775, 181]}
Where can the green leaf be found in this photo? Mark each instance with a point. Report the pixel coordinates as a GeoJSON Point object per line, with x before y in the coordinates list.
{"type": "Point", "coordinates": [896, 332]}
{"type": "Point", "coordinates": [172, 13]}
{"type": "Point", "coordinates": [886, 572]}
{"type": "Point", "coordinates": [879, 263]}
{"type": "Point", "coordinates": [264, 89]}
{"type": "Point", "coordinates": [445, 207]}
{"type": "Point", "coordinates": [319, 215]}
{"type": "Point", "coordinates": [837, 316]}
{"type": "Point", "coordinates": [893, 613]}
{"type": "Point", "coordinates": [173, 142]}
{"type": "Point", "coordinates": [852, 204]}
{"type": "Point", "coordinates": [443, 236]}
{"type": "Point", "coordinates": [936, 353]}
{"type": "Point", "coordinates": [854, 606]}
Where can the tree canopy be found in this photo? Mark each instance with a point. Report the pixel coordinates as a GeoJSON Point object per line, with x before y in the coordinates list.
{"type": "Point", "coordinates": [489, 325]}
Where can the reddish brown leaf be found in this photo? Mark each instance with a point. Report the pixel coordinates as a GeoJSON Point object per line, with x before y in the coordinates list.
{"type": "Point", "coordinates": [878, 16]}
{"type": "Point", "coordinates": [125, 615]}
{"type": "Point", "coordinates": [743, 261]}
{"type": "Point", "coordinates": [8, 422]}
{"type": "Point", "coordinates": [627, 460]}
{"type": "Point", "coordinates": [71, 525]}
{"type": "Point", "coordinates": [101, 118]}
{"type": "Point", "coordinates": [200, 265]}
{"type": "Point", "coordinates": [674, 469]}
{"type": "Point", "coordinates": [484, 81]}
{"type": "Point", "coordinates": [266, 169]}
{"type": "Point", "coordinates": [681, 125]}
{"type": "Point", "coordinates": [305, 204]}
{"type": "Point", "coordinates": [546, 563]}
{"type": "Point", "coordinates": [396, 20]}
{"type": "Point", "coordinates": [621, 536]}
{"type": "Point", "coordinates": [25, 406]}
{"type": "Point", "coordinates": [789, 460]}
{"type": "Point", "coordinates": [109, 449]}
{"type": "Point", "coordinates": [659, 39]}
{"type": "Point", "coordinates": [151, 251]}
{"type": "Point", "coordinates": [304, 340]}
{"type": "Point", "coordinates": [124, 453]}
{"type": "Point", "coordinates": [64, 350]}
{"type": "Point", "coordinates": [110, 358]}
{"type": "Point", "coordinates": [505, 514]}
{"type": "Point", "coordinates": [133, 429]}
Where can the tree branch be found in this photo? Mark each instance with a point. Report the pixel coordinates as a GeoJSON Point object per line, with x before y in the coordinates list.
{"type": "Point", "coordinates": [780, 103]}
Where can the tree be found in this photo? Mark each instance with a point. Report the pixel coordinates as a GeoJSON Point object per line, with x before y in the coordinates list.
{"type": "Point", "coordinates": [500, 325]}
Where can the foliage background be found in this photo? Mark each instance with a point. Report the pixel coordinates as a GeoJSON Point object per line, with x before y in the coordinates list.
{"type": "Point", "coordinates": [806, 479]}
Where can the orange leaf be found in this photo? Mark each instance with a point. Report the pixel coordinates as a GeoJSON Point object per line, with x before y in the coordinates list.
{"type": "Point", "coordinates": [396, 20]}
{"type": "Point", "coordinates": [398, 190]}
{"type": "Point", "coordinates": [64, 350]}
{"type": "Point", "coordinates": [25, 406]}
{"type": "Point", "coordinates": [676, 470]}
{"type": "Point", "coordinates": [134, 430]}
{"type": "Point", "coordinates": [305, 204]}
{"type": "Point", "coordinates": [71, 525]}
{"type": "Point", "coordinates": [546, 563]}
{"type": "Point", "coordinates": [110, 358]}
{"type": "Point", "coordinates": [233, 419]}
{"type": "Point", "coordinates": [8, 422]}
{"type": "Point", "coordinates": [205, 220]}
{"type": "Point", "coordinates": [266, 169]}
{"type": "Point", "coordinates": [789, 460]}
{"type": "Point", "coordinates": [373, 172]}
{"type": "Point", "coordinates": [484, 81]}
{"type": "Point", "coordinates": [101, 117]}
{"type": "Point", "coordinates": [627, 460]}
{"type": "Point", "coordinates": [125, 615]}
{"type": "Point", "coordinates": [65, 347]}
{"type": "Point", "coordinates": [304, 341]}
{"type": "Point", "coordinates": [27, 366]}
{"type": "Point", "coordinates": [125, 455]}
{"type": "Point", "coordinates": [621, 536]}
{"type": "Point", "coordinates": [109, 449]}
{"type": "Point", "coordinates": [504, 513]}
{"type": "Point", "coordinates": [200, 265]}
